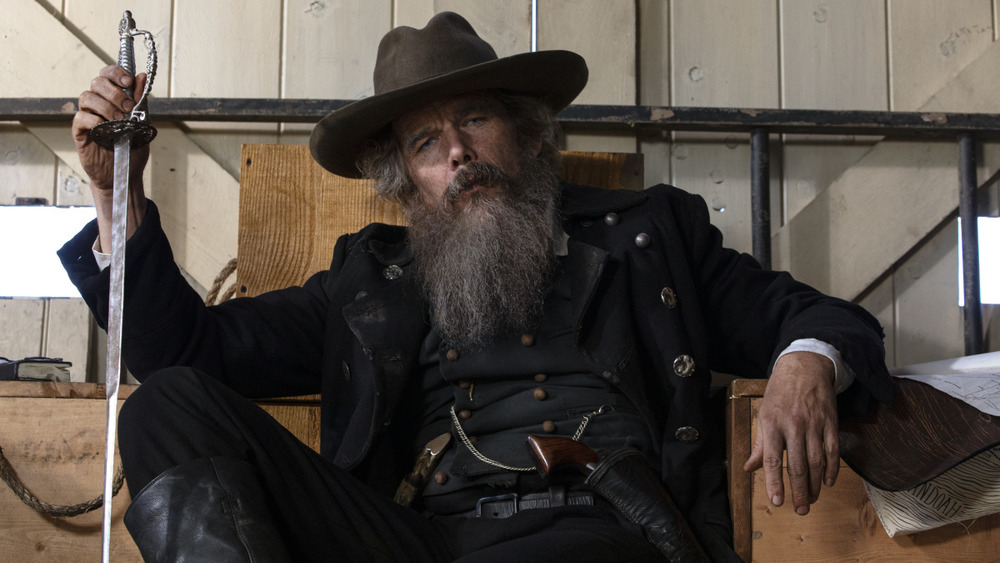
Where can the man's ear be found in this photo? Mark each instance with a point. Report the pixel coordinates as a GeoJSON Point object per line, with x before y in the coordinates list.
{"type": "Point", "coordinates": [536, 149]}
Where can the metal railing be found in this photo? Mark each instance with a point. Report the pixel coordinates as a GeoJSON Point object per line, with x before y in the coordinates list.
{"type": "Point", "coordinates": [967, 128]}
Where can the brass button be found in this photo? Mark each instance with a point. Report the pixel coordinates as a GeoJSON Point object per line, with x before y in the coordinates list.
{"type": "Point", "coordinates": [611, 219]}
{"type": "Point", "coordinates": [541, 394]}
{"type": "Point", "coordinates": [464, 383]}
{"type": "Point", "coordinates": [541, 377]}
{"type": "Point", "coordinates": [684, 365]}
{"type": "Point", "coordinates": [392, 272]}
{"type": "Point", "coordinates": [549, 426]}
{"type": "Point", "coordinates": [642, 240]}
{"type": "Point", "coordinates": [527, 340]}
{"type": "Point", "coordinates": [669, 297]}
{"type": "Point", "coordinates": [465, 414]}
{"type": "Point", "coordinates": [440, 477]}
{"type": "Point", "coordinates": [452, 355]}
{"type": "Point", "coordinates": [686, 434]}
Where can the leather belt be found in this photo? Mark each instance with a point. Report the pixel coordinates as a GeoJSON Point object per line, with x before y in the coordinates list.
{"type": "Point", "coordinates": [507, 505]}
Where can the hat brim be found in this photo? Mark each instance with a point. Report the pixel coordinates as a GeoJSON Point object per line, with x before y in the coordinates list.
{"type": "Point", "coordinates": [555, 77]}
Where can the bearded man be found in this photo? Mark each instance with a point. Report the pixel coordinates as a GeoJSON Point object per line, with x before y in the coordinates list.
{"type": "Point", "coordinates": [513, 304]}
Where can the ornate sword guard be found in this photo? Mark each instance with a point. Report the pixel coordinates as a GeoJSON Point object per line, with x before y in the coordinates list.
{"type": "Point", "coordinates": [136, 126]}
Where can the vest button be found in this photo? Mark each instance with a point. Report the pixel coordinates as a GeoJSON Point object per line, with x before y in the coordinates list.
{"type": "Point", "coordinates": [392, 272]}
{"type": "Point", "coordinates": [669, 297]}
{"type": "Point", "coordinates": [541, 377]}
{"type": "Point", "coordinates": [642, 240]}
{"type": "Point", "coordinates": [686, 434]}
{"type": "Point", "coordinates": [527, 340]}
{"type": "Point", "coordinates": [611, 219]}
{"type": "Point", "coordinates": [464, 384]}
{"type": "Point", "coordinates": [549, 426]}
{"type": "Point", "coordinates": [541, 394]}
{"type": "Point", "coordinates": [465, 414]}
{"type": "Point", "coordinates": [440, 477]}
{"type": "Point", "coordinates": [452, 355]}
{"type": "Point", "coordinates": [684, 365]}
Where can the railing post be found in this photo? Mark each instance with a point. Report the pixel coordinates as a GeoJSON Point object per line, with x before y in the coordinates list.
{"type": "Point", "coordinates": [969, 213]}
{"type": "Point", "coordinates": [760, 196]}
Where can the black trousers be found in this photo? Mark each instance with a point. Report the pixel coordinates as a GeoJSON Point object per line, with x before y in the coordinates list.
{"type": "Point", "coordinates": [324, 513]}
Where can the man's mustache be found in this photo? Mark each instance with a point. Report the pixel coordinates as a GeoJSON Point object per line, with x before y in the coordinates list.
{"type": "Point", "coordinates": [476, 174]}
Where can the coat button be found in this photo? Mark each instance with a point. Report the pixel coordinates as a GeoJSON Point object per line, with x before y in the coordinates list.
{"type": "Point", "coordinates": [541, 377]}
{"type": "Point", "coordinates": [452, 355]}
{"type": "Point", "coordinates": [465, 414]}
{"type": "Point", "coordinates": [669, 297]}
{"type": "Point", "coordinates": [464, 383]}
{"type": "Point", "coordinates": [527, 340]}
{"type": "Point", "coordinates": [611, 219]}
{"type": "Point", "coordinates": [642, 240]}
{"type": "Point", "coordinates": [440, 477]}
{"type": "Point", "coordinates": [686, 434]}
{"type": "Point", "coordinates": [541, 394]}
{"type": "Point", "coordinates": [392, 272]}
{"type": "Point", "coordinates": [549, 426]}
{"type": "Point", "coordinates": [684, 365]}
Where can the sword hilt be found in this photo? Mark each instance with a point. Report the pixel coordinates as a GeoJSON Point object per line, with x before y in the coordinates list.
{"type": "Point", "coordinates": [136, 126]}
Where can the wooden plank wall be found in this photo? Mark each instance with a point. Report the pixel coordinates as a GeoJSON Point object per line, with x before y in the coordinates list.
{"type": "Point", "coordinates": [822, 54]}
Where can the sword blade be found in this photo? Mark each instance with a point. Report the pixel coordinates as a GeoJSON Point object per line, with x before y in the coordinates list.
{"type": "Point", "coordinates": [119, 217]}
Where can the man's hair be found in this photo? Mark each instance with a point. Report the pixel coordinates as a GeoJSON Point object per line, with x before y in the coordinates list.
{"type": "Point", "coordinates": [382, 159]}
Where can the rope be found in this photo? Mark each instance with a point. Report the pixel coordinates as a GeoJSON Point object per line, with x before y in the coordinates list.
{"type": "Point", "coordinates": [213, 293]}
{"type": "Point", "coordinates": [57, 510]}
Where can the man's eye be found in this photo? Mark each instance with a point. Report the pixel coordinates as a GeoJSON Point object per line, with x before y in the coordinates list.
{"type": "Point", "coordinates": [423, 145]}
{"type": "Point", "coordinates": [475, 120]}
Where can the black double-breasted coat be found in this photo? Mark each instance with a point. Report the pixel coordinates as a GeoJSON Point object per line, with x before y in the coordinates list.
{"type": "Point", "coordinates": [657, 303]}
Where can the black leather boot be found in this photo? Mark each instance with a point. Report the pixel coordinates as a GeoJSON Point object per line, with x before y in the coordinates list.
{"type": "Point", "coordinates": [209, 509]}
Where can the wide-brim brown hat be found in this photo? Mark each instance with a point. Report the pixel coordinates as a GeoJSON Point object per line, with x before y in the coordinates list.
{"type": "Point", "coordinates": [445, 58]}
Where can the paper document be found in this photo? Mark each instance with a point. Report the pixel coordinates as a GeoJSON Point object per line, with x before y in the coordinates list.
{"type": "Point", "coordinates": [972, 379]}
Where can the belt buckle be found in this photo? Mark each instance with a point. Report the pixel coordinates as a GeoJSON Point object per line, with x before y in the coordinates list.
{"type": "Point", "coordinates": [508, 496]}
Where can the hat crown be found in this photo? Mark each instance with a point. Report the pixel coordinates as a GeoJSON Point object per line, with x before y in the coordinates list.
{"type": "Point", "coordinates": [408, 56]}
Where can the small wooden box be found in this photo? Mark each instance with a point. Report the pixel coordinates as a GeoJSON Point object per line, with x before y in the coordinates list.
{"type": "Point", "coordinates": [53, 436]}
{"type": "Point", "coordinates": [842, 525]}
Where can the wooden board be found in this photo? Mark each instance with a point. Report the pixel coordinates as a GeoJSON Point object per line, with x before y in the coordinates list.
{"type": "Point", "coordinates": [842, 525]}
{"type": "Point", "coordinates": [724, 54]}
{"type": "Point", "coordinates": [53, 437]}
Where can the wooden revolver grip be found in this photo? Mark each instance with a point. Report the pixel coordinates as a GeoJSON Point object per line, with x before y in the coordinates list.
{"type": "Point", "coordinates": [554, 451]}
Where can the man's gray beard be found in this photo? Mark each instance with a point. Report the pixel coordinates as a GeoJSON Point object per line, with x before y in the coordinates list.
{"type": "Point", "coordinates": [485, 269]}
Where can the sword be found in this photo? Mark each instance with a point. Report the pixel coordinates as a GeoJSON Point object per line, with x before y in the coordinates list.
{"type": "Point", "coordinates": [121, 136]}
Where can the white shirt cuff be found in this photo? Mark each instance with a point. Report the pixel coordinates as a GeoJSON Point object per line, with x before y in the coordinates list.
{"type": "Point", "coordinates": [103, 260]}
{"type": "Point", "coordinates": [843, 375]}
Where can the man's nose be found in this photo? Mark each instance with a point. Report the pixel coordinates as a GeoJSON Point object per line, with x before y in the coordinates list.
{"type": "Point", "coordinates": [461, 151]}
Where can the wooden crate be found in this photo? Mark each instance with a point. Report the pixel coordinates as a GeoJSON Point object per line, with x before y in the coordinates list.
{"type": "Point", "coordinates": [53, 436]}
{"type": "Point", "coordinates": [842, 525]}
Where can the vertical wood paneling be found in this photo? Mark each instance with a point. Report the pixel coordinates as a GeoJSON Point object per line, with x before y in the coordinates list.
{"type": "Point", "coordinates": [413, 13]}
{"type": "Point", "coordinates": [833, 57]}
{"type": "Point", "coordinates": [931, 41]}
{"type": "Point", "coordinates": [654, 84]}
{"type": "Point", "coordinates": [329, 52]}
{"type": "Point", "coordinates": [67, 334]}
{"type": "Point", "coordinates": [604, 33]}
{"type": "Point", "coordinates": [929, 322]}
{"type": "Point", "coordinates": [22, 319]}
{"type": "Point", "coordinates": [221, 50]}
{"type": "Point", "coordinates": [724, 54]}
{"type": "Point", "coordinates": [833, 54]}
{"type": "Point", "coordinates": [27, 167]}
